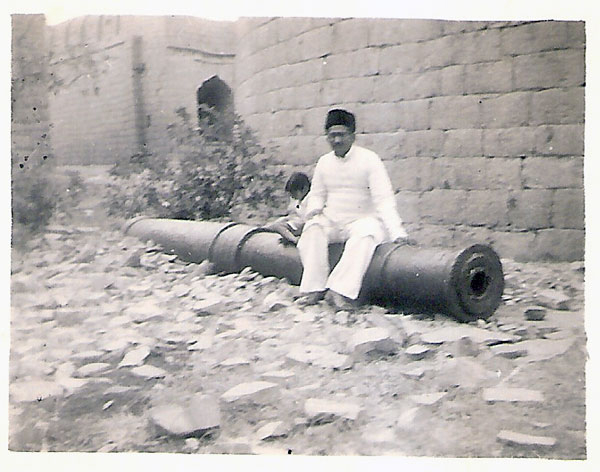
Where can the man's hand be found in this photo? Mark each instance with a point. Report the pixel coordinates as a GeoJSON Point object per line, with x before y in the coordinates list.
{"type": "Point", "coordinates": [404, 241]}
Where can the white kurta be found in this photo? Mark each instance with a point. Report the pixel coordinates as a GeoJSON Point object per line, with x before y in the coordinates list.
{"type": "Point", "coordinates": [352, 200]}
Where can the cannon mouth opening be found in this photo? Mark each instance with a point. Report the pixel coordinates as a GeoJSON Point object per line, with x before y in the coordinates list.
{"type": "Point", "coordinates": [479, 282]}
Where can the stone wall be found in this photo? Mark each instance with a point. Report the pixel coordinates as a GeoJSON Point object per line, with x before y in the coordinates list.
{"type": "Point", "coordinates": [480, 123]}
{"type": "Point", "coordinates": [117, 81]}
{"type": "Point", "coordinates": [30, 120]}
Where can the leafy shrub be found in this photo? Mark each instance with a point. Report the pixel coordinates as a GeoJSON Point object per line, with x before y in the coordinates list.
{"type": "Point", "coordinates": [216, 170]}
{"type": "Point", "coordinates": [34, 197]}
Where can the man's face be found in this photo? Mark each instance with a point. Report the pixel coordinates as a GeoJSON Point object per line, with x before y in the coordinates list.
{"type": "Point", "coordinates": [340, 139]}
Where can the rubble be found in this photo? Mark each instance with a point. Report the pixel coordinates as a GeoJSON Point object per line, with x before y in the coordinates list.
{"type": "Point", "coordinates": [251, 392]}
{"type": "Point", "coordinates": [518, 439]}
{"type": "Point", "coordinates": [504, 394]}
{"type": "Point", "coordinates": [372, 341]}
{"type": "Point", "coordinates": [322, 411]}
{"type": "Point", "coordinates": [201, 416]}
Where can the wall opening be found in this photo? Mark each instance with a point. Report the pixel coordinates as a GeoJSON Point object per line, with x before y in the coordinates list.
{"type": "Point", "coordinates": [212, 96]}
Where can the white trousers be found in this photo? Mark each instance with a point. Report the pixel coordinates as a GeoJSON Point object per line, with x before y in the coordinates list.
{"type": "Point", "coordinates": [362, 238]}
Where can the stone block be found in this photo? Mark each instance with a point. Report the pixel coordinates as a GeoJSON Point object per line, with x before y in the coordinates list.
{"type": "Point", "coordinates": [568, 209]}
{"type": "Point", "coordinates": [381, 117]}
{"type": "Point", "coordinates": [534, 37]}
{"type": "Point", "coordinates": [549, 172]}
{"type": "Point", "coordinates": [352, 89]}
{"type": "Point", "coordinates": [393, 31]}
{"type": "Point", "coordinates": [442, 206]}
{"type": "Point", "coordinates": [503, 173]}
{"type": "Point", "coordinates": [530, 209]}
{"type": "Point", "coordinates": [576, 34]}
{"type": "Point", "coordinates": [560, 140]}
{"type": "Point", "coordinates": [454, 112]}
{"type": "Point", "coordinates": [459, 173]}
{"type": "Point", "coordinates": [506, 111]}
{"type": "Point", "coordinates": [428, 398]}
{"type": "Point", "coordinates": [317, 43]}
{"type": "Point", "coordinates": [456, 27]}
{"type": "Point", "coordinates": [478, 46]}
{"type": "Point", "coordinates": [350, 34]}
{"type": "Point", "coordinates": [438, 53]}
{"type": "Point", "coordinates": [412, 115]}
{"type": "Point", "coordinates": [423, 143]}
{"type": "Point", "coordinates": [404, 58]}
{"type": "Point", "coordinates": [463, 142]}
{"type": "Point", "coordinates": [558, 106]}
{"type": "Point", "coordinates": [486, 208]}
{"type": "Point", "coordinates": [407, 204]}
{"type": "Point", "coordinates": [452, 80]}
{"type": "Point", "coordinates": [560, 68]}
{"type": "Point", "coordinates": [513, 245]}
{"type": "Point", "coordinates": [344, 64]}
{"type": "Point", "coordinates": [389, 146]}
{"type": "Point", "coordinates": [488, 77]}
{"type": "Point", "coordinates": [509, 142]}
{"type": "Point", "coordinates": [412, 173]}
{"type": "Point", "coordinates": [558, 245]}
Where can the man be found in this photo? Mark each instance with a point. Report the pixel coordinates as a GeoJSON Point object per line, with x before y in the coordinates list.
{"type": "Point", "coordinates": [352, 201]}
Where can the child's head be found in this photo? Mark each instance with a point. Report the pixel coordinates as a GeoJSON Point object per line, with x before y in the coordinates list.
{"type": "Point", "coordinates": [298, 185]}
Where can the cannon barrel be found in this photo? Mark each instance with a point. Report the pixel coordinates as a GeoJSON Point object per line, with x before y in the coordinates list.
{"type": "Point", "coordinates": [466, 284]}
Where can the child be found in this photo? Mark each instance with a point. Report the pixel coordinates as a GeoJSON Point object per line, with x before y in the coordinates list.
{"type": "Point", "coordinates": [290, 226]}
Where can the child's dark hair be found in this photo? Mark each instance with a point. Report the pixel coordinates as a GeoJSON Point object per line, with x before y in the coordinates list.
{"type": "Point", "coordinates": [297, 181]}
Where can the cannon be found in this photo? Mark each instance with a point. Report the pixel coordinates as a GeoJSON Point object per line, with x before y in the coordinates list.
{"type": "Point", "coordinates": [466, 284]}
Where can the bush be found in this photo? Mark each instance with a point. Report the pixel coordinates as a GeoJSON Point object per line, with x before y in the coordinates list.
{"type": "Point", "coordinates": [213, 171]}
{"type": "Point", "coordinates": [34, 198]}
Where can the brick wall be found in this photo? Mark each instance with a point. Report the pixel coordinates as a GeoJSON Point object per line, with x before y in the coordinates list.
{"type": "Point", "coordinates": [480, 123]}
{"type": "Point", "coordinates": [30, 121]}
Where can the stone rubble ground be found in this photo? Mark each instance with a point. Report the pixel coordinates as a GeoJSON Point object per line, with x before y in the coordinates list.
{"type": "Point", "coordinates": [116, 346]}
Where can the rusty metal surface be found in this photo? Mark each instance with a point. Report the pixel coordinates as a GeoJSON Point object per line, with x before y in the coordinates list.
{"type": "Point", "coordinates": [466, 284]}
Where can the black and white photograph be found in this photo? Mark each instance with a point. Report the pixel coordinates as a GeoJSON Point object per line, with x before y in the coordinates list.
{"type": "Point", "coordinates": [298, 235]}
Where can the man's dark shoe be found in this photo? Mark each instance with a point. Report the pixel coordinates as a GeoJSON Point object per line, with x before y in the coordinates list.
{"type": "Point", "coordinates": [311, 298]}
{"type": "Point", "coordinates": [340, 302]}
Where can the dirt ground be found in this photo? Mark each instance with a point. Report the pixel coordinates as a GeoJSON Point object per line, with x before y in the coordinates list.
{"type": "Point", "coordinates": [117, 347]}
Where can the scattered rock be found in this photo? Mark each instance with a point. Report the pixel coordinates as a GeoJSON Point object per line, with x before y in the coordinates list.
{"type": "Point", "coordinates": [372, 341]}
{"type": "Point", "coordinates": [319, 356]}
{"type": "Point", "coordinates": [278, 375]}
{"type": "Point", "coordinates": [234, 362]}
{"type": "Point", "coordinates": [415, 373]}
{"type": "Point", "coordinates": [144, 311]}
{"type": "Point", "coordinates": [34, 390]}
{"type": "Point", "coordinates": [503, 394]}
{"type": "Point", "coordinates": [323, 411]}
{"type": "Point", "coordinates": [542, 349]}
{"type": "Point", "coordinates": [274, 301]}
{"type": "Point", "coordinates": [417, 352]}
{"type": "Point", "coordinates": [107, 405]}
{"type": "Point", "coordinates": [508, 351]}
{"type": "Point", "coordinates": [428, 398]}
{"type": "Point", "coordinates": [258, 392]}
{"type": "Point", "coordinates": [535, 313]}
{"type": "Point", "coordinates": [518, 439]}
{"type": "Point", "coordinates": [93, 368]}
{"type": "Point", "coordinates": [209, 306]}
{"type": "Point", "coordinates": [407, 418]}
{"type": "Point", "coordinates": [135, 357]}
{"type": "Point", "coordinates": [149, 371]}
{"type": "Point", "coordinates": [554, 299]}
{"type": "Point", "coordinates": [201, 416]}
{"type": "Point", "coordinates": [276, 429]}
